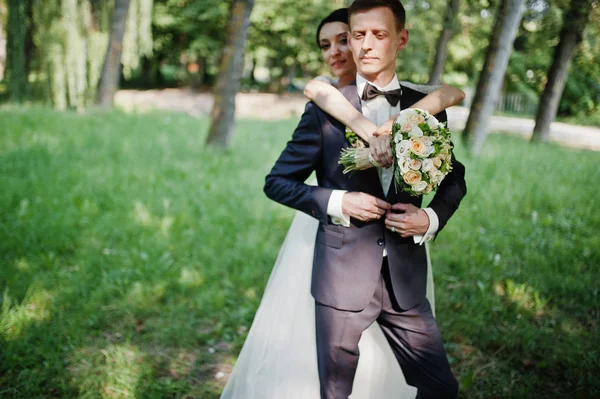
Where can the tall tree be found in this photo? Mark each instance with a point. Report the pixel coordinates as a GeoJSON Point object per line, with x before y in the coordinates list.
{"type": "Point", "coordinates": [17, 26]}
{"type": "Point", "coordinates": [230, 72]}
{"type": "Point", "coordinates": [575, 22]}
{"type": "Point", "coordinates": [111, 70]}
{"type": "Point", "coordinates": [2, 38]}
{"type": "Point", "coordinates": [492, 75]}
{"type": "Point", "coordinates": [441, 50]}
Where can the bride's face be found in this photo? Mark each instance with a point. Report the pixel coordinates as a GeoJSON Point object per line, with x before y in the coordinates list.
{"type": "Point", "coordinates": [333, 40]}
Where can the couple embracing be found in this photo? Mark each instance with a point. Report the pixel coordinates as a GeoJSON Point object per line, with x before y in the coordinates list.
{"type": "Point", "coordinates": [369, 266]}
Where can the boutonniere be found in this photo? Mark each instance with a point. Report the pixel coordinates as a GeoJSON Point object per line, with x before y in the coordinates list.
{"type": "Point", "coordinates": [354, 140]}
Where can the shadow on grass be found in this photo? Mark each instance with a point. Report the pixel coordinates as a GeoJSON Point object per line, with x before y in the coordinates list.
{"type": "Point", "coordinates": [134, 260]}
{"type": "Point", "coordinates": [123, 272]}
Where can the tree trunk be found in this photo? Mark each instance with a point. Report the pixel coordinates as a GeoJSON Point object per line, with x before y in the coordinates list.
{"type": "Point", "coordinates": [441, 51]}
{"type": "Point", "coordinates": [492, 75]}
{"type": "Point", "coordinates": [2, 40]}
{"type": "Point", "coordinates": [111, 70]}
{"type": "Point", "coordinates": [230, 72]}
{"type": "Point", "coordinates": [571, 36]}
{"type": "Point", "coordinates": [16, 40]}
{"type": "Point", "coordinates": [29, 44]}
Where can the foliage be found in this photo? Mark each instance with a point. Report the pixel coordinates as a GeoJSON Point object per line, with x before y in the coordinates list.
{"type": "Point", "coordinates": [68, 43]}
{"type": "Point", "coordinates": [189, 35]}
{"type": "Point", "coordinates": [180, 43]}
{"type": "Point", "coordinates": [531, 60]}
{"type": "Point", "coordinates": [132, 264]}
{"type": "Point", "coordinates": [137, 42]}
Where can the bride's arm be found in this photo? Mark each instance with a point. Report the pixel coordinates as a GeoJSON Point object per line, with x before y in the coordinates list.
{"type": "Point", "coordinates": [440, 99]}
{"type": "Point", "coordinates": [435, 102]}
{"type": "Point", "coordinates": [330, 100]}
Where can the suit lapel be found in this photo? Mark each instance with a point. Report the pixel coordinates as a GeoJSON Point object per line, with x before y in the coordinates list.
{"type": "Point", "coordinates": [368, 177]}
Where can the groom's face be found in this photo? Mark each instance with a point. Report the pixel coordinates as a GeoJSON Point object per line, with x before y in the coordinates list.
{"type": "Point", "coordinates": [375, 41]}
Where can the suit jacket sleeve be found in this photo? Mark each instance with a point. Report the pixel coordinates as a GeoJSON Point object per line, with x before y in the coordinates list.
{"type": "Point", "coordinates": [301, 156]}
{"type": "Point", "coordinates": [452, 189]}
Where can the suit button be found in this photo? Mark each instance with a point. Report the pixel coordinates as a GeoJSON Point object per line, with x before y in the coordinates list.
{"type": "Point", "coordinates": [380, 242]}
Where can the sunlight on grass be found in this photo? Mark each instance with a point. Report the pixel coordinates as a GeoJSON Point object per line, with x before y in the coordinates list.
{"type": "Point", "coordinates": [22, 264]}
{"type": "Point", "coordinates": [191, 277]}
{"type": "Point", "coordinates": [35, 307]}
{"type": "Point", "coordinates": [112, 372]}
{"type": "Point", "coordinates": [523, 296]}
{"type": "Point", "coordinates": [121, 371]}
{"type": "Point", "coordinates": [165, 224]}
{"type": "Point", "coordinates": [572, 328]}
{"type": "Point", "coordinates": [141, 295]}
{"type": "Point", "coordinates": [142, 214]}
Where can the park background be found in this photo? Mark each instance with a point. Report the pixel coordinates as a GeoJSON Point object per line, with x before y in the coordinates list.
{"type": "Point", "coordinates": [136, 242]}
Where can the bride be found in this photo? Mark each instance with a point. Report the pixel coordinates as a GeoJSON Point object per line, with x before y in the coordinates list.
{"type": "Point", "coordinates": [278, 359]}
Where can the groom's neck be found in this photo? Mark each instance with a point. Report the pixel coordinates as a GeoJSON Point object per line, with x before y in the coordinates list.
{"type": "Point", "coordinates": [381, 79]}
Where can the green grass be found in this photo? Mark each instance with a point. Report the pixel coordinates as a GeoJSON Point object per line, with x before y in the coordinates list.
{"type": "Point", "coordinates": [132, 259]}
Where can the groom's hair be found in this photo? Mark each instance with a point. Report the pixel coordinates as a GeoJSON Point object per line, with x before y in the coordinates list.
{"type": "Point", "coordinates": [339, 15]}
{"type": "Point", "coordinates": [394, 5]}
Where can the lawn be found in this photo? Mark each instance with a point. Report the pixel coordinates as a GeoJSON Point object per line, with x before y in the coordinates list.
{"type": "Point", "coordinates": [132, 259]}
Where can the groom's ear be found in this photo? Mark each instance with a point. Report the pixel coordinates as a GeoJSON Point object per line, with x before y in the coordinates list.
{"type": "Point", "coordinates": [402, 39]}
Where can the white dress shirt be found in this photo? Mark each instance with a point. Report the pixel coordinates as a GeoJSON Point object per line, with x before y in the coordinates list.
{"type": "Point", "coordinates": [378, 110]}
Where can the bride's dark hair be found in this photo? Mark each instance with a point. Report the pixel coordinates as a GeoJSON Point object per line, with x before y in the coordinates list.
{"type": "Point", "coordinates": [339, 15]}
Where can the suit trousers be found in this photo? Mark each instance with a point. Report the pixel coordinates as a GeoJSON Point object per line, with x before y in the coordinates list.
{"type": "Point", "coordinates": [412, 334]}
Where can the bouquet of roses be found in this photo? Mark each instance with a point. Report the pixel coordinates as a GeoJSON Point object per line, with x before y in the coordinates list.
{"type": "Point", "coordinates": [422, 153]}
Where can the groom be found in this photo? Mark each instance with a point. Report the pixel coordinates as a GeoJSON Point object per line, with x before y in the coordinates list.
{"type": "Point", "coordinates": [369, 262]}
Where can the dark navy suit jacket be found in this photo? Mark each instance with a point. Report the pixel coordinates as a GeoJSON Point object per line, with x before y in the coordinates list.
{"type": "Point", "coordinates": [348, 260]}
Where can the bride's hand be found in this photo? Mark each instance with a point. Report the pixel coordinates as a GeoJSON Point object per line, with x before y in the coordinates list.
{"type": "Point", "coordinates": [381, 151]}
{"type": "Point", "coordinates": [386, 128]}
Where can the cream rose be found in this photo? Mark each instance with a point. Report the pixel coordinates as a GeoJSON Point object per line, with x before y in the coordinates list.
{"type": "Point", "coordinates": [437, 162]}
{"type": "Point", "coordinates": [418, 147]}
{"type": "Point", "coordinates": [420, 186]}
{"type": "Point", "coordinates": [416, 119]}
{"type": "Point", "coordinates": [414, 164]}
{"type": "Point", "coordinates": [407, 127]}
{"type": "Point", "coordinates": [412, 177]}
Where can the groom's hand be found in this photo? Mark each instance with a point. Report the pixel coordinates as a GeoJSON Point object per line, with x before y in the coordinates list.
{"type": "Point", "coordinates": [363, 206]}
{"type": "Point", "coordinates": [381, 151]}
{"type": "Point", "coordinates": [407, 220]}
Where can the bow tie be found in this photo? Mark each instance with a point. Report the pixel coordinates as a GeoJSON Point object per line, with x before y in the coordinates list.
{"type": "Point", "coordinates": [392, 96]}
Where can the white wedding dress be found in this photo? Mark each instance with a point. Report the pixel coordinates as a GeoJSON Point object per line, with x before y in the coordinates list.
{"type": "Point", "coordinates": [279, 358]}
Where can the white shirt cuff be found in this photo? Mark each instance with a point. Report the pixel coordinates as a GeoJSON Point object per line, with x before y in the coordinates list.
{"type": "Point", "coordinates": [334, 209]}
{"type": "Point", "coordinates": [434, 224]}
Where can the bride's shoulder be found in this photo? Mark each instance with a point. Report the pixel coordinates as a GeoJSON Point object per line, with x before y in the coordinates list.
{"type": "Point", "coordinates": [327, 79]}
